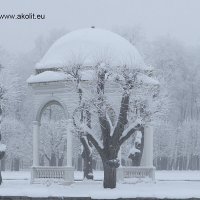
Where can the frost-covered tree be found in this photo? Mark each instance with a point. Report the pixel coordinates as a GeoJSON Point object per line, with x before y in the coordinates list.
{"type": "Point", "coordinates": [114, 133]}
{"type": "Point", "coordinates": [74, 70]}
{"type": "Point", "coordinates": [10, 100]}
{"type": "Point", "coordinates": [176, 66]}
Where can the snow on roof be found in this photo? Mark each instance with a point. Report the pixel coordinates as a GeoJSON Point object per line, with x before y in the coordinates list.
{"type": "Point", "coordinates": [86, 75]}
{"type": "Point", "coordinates": [48, 76]}
{"type": "Point", "coordinates": [89, 46]}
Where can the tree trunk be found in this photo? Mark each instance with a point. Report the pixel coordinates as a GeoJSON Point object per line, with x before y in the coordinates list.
{"type": "Point", "coordinates": [88, 173]}
{"type": "Point", "coordinates": [16, 163]}
{"type": "Point", "coordinates": [87, 157]}
{"type": "Point", "coordinates": [2, 153]}
{"type": "Point", "coordinates": [60, 160]}
{"type": "Point", "coordinates": [53, 159]}
{"type": "Point", "coordinates": [79, 167]}
{"type": "Point", "coordinates": [109, 177]}
{"type": "Point", "coordinates": [3, 164]}
{"type": "Point", "coordinates": [42, 160]}
{"type": "Point", "coordinates": [137, 157]}
{"type": "Point", "coordinates": [0, 178]}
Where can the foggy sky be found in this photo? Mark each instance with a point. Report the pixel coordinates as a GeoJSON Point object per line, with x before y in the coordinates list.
{"type": "Point", "coordinates": [178, 18]}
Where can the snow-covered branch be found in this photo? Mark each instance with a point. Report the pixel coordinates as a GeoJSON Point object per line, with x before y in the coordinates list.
{"type": "Point", "coordinates": [131, 130]}
{"type": "Point", "coordinates": [91, 136]}
{"type": "Point", "coordinates": [110, 123]}
{"type": "Point", "coordinates": [137, 122]}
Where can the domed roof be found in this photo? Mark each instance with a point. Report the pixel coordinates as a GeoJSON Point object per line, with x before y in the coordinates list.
{"type": "Point", "coordinates": [90, 46]}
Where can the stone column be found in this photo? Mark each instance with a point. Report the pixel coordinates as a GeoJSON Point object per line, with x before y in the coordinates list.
{"type": "Point", "coordinates": [69, 144]}
{"type": "Point", "coordinates": [147, 157]}
{"type": "Point", "coordinates": [36, 127]}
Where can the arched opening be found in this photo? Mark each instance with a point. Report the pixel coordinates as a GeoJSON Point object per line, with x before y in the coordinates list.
{"type": "Point", "coordinates": [52, 143]}
{"type": "Point", "coordinates": [53, 136]}
{"type": "Point", "coordinates": [48, 103]}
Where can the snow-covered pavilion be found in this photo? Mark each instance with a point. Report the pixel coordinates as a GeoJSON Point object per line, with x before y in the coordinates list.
{"type": "Point", "coordinates": [51, 86]}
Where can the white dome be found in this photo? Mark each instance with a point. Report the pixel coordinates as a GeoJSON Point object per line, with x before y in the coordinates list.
{"type": "Point", "coordinates": [89, 46]}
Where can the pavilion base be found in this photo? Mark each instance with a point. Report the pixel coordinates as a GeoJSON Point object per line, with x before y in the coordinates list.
{"type": "Point", "coordinates": [140, 172]}
{"type": "Point", "coordinates": [62, 175]}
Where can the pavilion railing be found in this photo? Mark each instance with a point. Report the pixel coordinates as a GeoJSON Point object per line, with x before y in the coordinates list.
{"type": "Point", "coordinates": [63, 175]}
{"type": "Point", "coordinates": [135, 172]}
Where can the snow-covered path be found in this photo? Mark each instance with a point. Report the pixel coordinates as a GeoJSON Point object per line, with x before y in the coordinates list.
{"type": "Point", "coordinates": [98, 175]}
{"type": "Point", "coordinates": [169, 184]}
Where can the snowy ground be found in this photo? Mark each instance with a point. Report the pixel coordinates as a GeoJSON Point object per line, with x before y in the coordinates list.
{"type": "Point", "coordinates": [171, 184]}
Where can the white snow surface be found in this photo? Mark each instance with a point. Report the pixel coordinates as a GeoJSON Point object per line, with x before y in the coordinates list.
{"type": "Point", "coordinates": [133, 150]}
{"type": "Point", "coordinates": [138, 137]}
{"type": "Point", "coordinates": [147, 80]}
{"type": "Point", "coordinates": [90, 46]}
{"type": "Point", "coordinates": [2, 147]}
{"type": "Point", "coordinates": [169, 184]}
